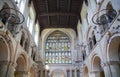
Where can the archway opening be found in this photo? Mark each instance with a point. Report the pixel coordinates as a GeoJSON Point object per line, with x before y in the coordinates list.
{"type": "Point", "coordinates": [86, 72]}
{"type": "Point", "coordinates": [3, 50]}
{"type": "Point", "coordinates": [96, 68]}
{"type": "Point", "coordinates": [114, 49]}
{"type": "Point", "coordinates": [114, 56]}
{"type": "Point", "coordinates": [4, 58]}
{"type": "Point", "coordinates": [21, 67]}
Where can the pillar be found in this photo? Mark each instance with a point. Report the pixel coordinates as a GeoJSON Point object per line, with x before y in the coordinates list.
{"type": "Point", "coordinates": [112, 69]}
{"type": "Point", "coordinates": [107, 71]}
{"type": "Point", "coordinates": [115, 69]}
{"type": "Point", "coordinates": [95, 74]}
{"type": "Point", "coordinates": [7, 69]}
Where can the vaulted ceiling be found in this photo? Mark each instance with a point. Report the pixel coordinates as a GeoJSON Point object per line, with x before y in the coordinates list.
{"type": "Point", "coordinates": [58, 13]}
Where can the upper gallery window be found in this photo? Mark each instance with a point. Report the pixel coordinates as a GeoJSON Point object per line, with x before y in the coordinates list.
{"type": "Point", "coordinates": [58, 48]}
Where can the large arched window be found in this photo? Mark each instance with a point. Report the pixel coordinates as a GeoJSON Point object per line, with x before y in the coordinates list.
{"type": "Point", "coordinates": [57, 48]}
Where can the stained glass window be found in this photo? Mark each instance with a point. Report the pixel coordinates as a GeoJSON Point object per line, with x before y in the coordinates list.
{"type": "Point", "coordinates": [57, 48]}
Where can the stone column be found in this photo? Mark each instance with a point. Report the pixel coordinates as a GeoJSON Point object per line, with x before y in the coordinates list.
{"type": "Point", "coordinates": [112, 69]}
{"type": "Point", "coordinates": [107, 70]}
{"type": "Point", "coordinates": [7, 69]}
{"type": "Point", "coordinates": [21, 74]}
{"type": "Point", "coordinates": [95, 74]}
{"type": "Point", "coordinates": [115, 68]}
{"type": "Point", "coordinates": [3, 68]}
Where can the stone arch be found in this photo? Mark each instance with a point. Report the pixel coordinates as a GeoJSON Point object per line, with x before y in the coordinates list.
{"type": "Point", "coordinates": [113, 49]}
{"type": "Point", "coordinates": [7, 44]}
{"type": "Point", "coordinates": [50, 32]}
{"type": "Point", "coordinates": [97, 69]}
{"type": "Point", "coordinates": [6, 54]}
{"type": "Point", "coordinates": [113, 54]}
{"type": "Point", "coordinates": [21, 68]}
{"type": "Point", "coordinates": [59, 31]}
{"type": "Point", "coordinates": [86, 72]}
{"type": "Point", "coordinates": [47, 32]}
{"type": "Point", "coordinates": [22, 61]}
{"type": "Point", "coordinates": [4, 50]}
{"type": "Point", "coordinates": [58, 73]}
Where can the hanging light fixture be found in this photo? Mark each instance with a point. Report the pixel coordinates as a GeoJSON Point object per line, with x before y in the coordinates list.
{"type": "Point", "coordinates": [103, 17]}
{"type": "Point", "coordinates": [11, 18]}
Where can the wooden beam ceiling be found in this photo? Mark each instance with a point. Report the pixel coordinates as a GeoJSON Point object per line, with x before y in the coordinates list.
{"type": "Point", "coordinates": [58, 13]}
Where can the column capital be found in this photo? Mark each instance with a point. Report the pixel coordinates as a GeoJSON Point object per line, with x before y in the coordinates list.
{"type": "Point", "coordinates": [13, 64]}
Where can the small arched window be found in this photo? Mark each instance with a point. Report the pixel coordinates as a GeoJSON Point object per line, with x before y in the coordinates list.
{"type": "Point", "coordinates": [92, 41]}
{"type": "Point", "coordinates": [110, 12]}
{"type": "Point", "coordinates": [57, 48]}
{"type": "Point", "coordinates": [6, 13]}
{"type": "Point", "coordinates": [26, 45]}
{"type": "Point", "coordinates": [22, 39]}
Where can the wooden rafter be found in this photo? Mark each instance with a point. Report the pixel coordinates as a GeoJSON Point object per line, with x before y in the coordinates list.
{"type": "Point", "coordinates": [61, 14]}
{"type": "Point", "coordinates": [68, 18]}
{"type": "Point", "coordinates": [46, 2]}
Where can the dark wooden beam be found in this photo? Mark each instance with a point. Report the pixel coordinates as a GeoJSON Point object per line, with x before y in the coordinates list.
{"type": "Point", "coordinates": [46, 2]}
{"type": "Point", "coordinates": [58, 17]}
{"type": "Point", "coordinates": [69, 6]}
{"type": "Point", "coordinates": [60, 14]}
